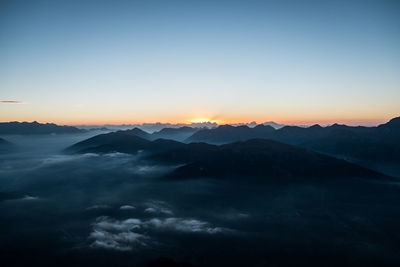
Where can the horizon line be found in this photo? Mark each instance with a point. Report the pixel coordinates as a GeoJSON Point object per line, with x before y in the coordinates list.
{"type": "Point", "coordinates": [365, 123]}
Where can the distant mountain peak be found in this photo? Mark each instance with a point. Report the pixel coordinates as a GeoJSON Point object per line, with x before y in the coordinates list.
{"type": "Point", "coordinates": [173, 130]}
{"type": "Point", "coordinates": [263, 126]}
{"type": "Point", "coordinates": [394, 122]}
{"type": "Point", "coordinates": [138, 132]}
{"type": "Point", "coordinates": [274, 124]}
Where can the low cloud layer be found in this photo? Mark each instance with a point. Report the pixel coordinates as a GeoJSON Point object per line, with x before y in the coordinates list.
{"type": "Point", "coordinates": [184, 225]}
{"type": "Point", "coordinates": [132, 233]}
{"type": "Point", "coordinates": [158, 207]}
{"type": "Point", "coordinates": [96, 207]}
{"type": "Point", "coordinates": [29, 198]}
{"type": "Point", "coordinates": [127, 207]}
{"type": "Point", "coordinates": [46, 195]}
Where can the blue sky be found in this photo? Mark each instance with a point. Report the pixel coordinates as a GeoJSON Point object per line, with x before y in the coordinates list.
{"type": "Point", "coordinates": [93, 62]}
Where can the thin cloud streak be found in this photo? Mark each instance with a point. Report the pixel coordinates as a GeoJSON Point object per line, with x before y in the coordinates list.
{"type": "Point", "coordinates": [11, 102]}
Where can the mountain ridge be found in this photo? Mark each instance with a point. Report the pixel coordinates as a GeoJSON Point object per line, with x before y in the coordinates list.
{"type": "Point", "coordinates": [258, 158]}
{"type": "Point", "coordinates": [380, 143]}
{"type": "Point", "coordinates": [254, 157]}
{"type": "Point", "coordinates": [32, 128]}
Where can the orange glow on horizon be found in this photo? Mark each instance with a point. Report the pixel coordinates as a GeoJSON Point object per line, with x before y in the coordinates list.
{"type": "Point", "coordinates": [203, 120]}
{"type": "Point", "coordinates": [288, 118]}
{"type": "Point", "coordinates": [282, 120]}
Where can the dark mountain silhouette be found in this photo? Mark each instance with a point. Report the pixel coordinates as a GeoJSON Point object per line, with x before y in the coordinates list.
{"type": "Point", "coordinates": [360, 144]}
{"type": "Point", "coordinates": [288, 134]}
{"type": "Point", "coordinates": [120, 141]}
{"type": "Point", "coordinates": [228, 134]}
{"type": "Point", "coordinates": [186, 153]}
{"type": "Point", "coordinates": [273, 124]}
{"type": "Point", "coordinates": [258, 157]}
{"type": "Point", "coordinates": [177, 134]}
{"type": "Point", "coordinates": [374, 144]}
{"type": "Point", "coordinates": [393, 124]}
{"type": "Point", "coordinates": [138, 132]}
{"type": "Point", "coordinates": [255, 157]}
{"type": "Point", "coordinates": [29, 128]}
{"type": "Point", "coordinates": [104, 129]}
{"type": "Point", "coordinates": [378, 144]}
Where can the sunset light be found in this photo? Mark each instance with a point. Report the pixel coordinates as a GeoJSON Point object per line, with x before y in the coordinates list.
{"type": "Point", "coordinates": [199, 133]}
{"type": "Point", "coordinates": [202, 120]}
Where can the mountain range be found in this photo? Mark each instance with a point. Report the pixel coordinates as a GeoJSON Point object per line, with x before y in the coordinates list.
{"type": "Point", "coordinates": [251, 158]}
{"type": "Point", "coordinates": [177, 134]}
{"type": "Point", "coordinates": [378, 144]}
{"type": "Point", "coordinates": [257, 158]}
{"type": "Point", "coordinates": [150, 127]}
{"type": "Point", "coordinates": [32, 128]}
{"type": "Point", "coordinates": [365, 145]}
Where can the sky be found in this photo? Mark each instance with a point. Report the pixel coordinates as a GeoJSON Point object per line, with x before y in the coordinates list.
{"type": "Point", "coordinates": [113, 62]}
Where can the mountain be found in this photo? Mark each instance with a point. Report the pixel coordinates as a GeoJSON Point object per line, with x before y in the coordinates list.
{"type": "Point", "coordinates": [372, 144]}
{"type": "Point", "coordinates": [177, 134]}
{"type": "Point", "coordinates": [258, 158]}
{"type": "Point", "coordinates": [228, 134]}
{"type": "Point", "coordinates": [186, 153]}
{"type": "Point", "coordinates": [151, 127]}
{"type": "Point", "coordinates": [29, 128]}
{"type": "Point", "coordinates": [274, 124]}
{"type": "Point", "coordinates": [138, 132]}
{"type": "Point", "coordinates": [390, 128]}
{"type": "Point", "coordinates": [120, 141]}
{"type": "Point", "coordinates": [255, 157]}
{"type": "Point", "coordinates": [287, 134]}
{"type": "Point", "coordinates": [377, 144]}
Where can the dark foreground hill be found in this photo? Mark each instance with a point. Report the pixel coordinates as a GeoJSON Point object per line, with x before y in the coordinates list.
{"type": "Point", "coordinates": [133, 140]}
{"type": "Point", "coordinates": [375, 144]}
{"type": "Point", "coordinates": [121, 141]}
{"type": "Point", "coordinates": [258, 157]}
{"type": "Point", "coordinates": [29, 128]}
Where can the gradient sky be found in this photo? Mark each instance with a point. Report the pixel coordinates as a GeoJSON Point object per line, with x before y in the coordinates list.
{"type": "Point", "coordinates": [94, 62]}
